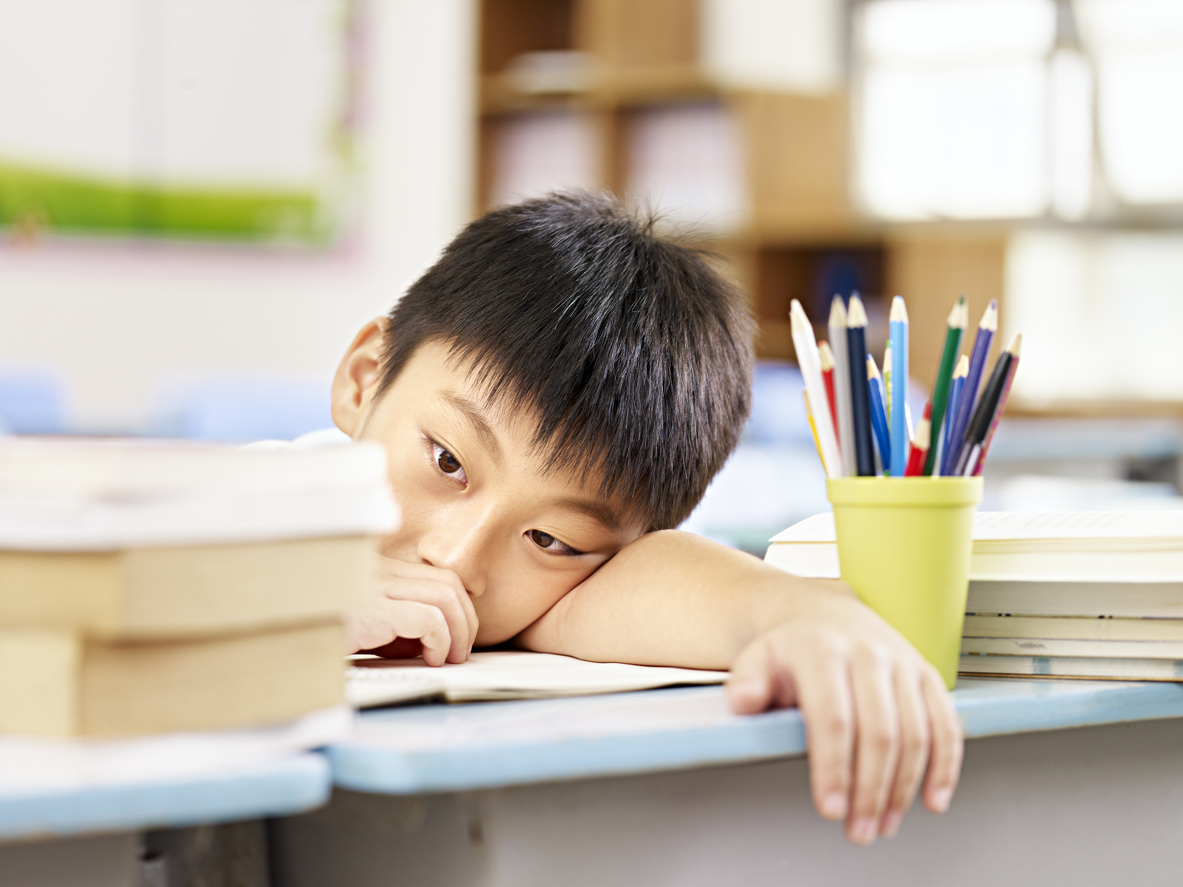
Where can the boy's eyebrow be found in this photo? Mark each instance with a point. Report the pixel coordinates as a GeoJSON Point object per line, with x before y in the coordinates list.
{"type": "Point", "coordinates": [476, 417]}
{"type": "Point", "coordinates": [593, 508]}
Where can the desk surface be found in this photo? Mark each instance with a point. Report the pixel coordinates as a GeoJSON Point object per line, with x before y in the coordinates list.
{"type": "Point", "coordinates": [439, 748]}
{"type": "Point", "coordinates": [287, 785]}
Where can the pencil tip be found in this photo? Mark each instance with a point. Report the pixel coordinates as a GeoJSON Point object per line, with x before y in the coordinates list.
{"type": "Point", "coordinates": [826, 354]}
{"type": "Point", "coordinates": [899, 311]}
{"type": "Point", "coordinates": [857, 315]}
{"type": "Point", "coordinates": [872, 369]}
{"type": "Point", "coordinates": [1016, 345]}
{"type": "Point", "coordinates": [962, 366]}
{"type": "Point", "coordinates": [837, 312]}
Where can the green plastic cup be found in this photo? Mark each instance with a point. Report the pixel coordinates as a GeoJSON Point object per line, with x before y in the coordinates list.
{"type": "Point", "coordinates": [904, 546]}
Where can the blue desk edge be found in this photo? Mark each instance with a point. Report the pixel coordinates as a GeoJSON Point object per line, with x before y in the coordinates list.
{"type": "Point", "coordinates": [988, 707]}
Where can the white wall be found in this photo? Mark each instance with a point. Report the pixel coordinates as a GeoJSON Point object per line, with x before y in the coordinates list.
{"type": "Point", "coordinates": [115, 319]}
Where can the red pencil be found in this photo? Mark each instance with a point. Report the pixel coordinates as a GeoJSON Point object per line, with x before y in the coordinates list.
{"type": "Point", "coordinates": [920, 444]}
{"type": "Point", "coordinates": [826, 354]}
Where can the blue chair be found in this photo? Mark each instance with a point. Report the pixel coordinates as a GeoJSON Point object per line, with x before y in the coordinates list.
{"type": "Point", "coordinates": [241, 408]}
{"type": "Point", "coordinates": [32, 401]}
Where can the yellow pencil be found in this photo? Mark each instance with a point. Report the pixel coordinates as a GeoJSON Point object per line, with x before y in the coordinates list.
{"type": "Point", "coordinates": [813, 428]}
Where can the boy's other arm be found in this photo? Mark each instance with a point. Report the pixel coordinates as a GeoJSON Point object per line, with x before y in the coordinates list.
{"type": "Point", "coordinates": [877, 714]}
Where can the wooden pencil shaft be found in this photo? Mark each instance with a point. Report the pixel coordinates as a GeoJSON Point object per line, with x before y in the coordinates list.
{"type": "Point", "coordinates": [860, 401]}
{"type": "Point", "coordinates": [944, 378]}
{"type": "Point", "coordinates": [878, 413]}
{"type": "Point", "coordinates": [899, 372]}
{"type": "Point", "coordinates": [973, 379]}
{"type": "Point", "coordinates": [837, 327]}
{"type": "Point", "coordinates": [985, 449]}
{"type": "Point", "coordinates": [809, 361]}
{"type": "Point", "coordinates": [980, 423]}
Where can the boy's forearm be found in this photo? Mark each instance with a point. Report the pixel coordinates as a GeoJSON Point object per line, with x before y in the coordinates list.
{"type": "Point", "coordinates": [670, 598]}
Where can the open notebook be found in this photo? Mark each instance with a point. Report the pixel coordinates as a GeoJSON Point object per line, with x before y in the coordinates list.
{"type": "Point", "coordinates": [506, 674]}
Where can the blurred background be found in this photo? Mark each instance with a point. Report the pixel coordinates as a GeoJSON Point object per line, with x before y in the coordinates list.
{"type": "Point", "coordinates": [202, 200]}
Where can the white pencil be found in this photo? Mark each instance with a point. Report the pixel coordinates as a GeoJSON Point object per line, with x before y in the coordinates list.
{"type": "Point", "coordinates": [842, 404]}
{"type": "Point", "coordinates": [809, 361]}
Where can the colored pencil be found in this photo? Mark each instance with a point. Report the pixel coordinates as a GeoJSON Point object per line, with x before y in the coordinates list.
{"type": "Point", "coordinates": [955, 389]}
{"type": "Point", "coordinates": [837, 325]}
{"type": "Point", "coordinates": [878, 413]}
{"type": "Point", "coordinates": [860, 402]}
{"type": "Point", "coordinates": [1015, 348]}
{"type": "Point", "coordinates": [984, 416]}
{"type": "Point", "coordinates": [920, 444]}
{"type": "Point", "coordinates": [955, 329]}
{"type": "Point", "coordinates": [899, 388]}
{"type": "Point", "coordinates": [969, 393]}
{"type": "Point", "coordinates": [827, 358]}
{"type": "Point", "coordinates": [812, 426]}
{"type": "Point", "coordinates": [887, 382]}
{"type": "Point", "coordinates": [809, 361]}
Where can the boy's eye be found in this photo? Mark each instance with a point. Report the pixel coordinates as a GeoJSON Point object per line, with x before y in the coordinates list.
{"type": "Point", "coordinates": [447, 463]}
{"type": "Point", "coordinates": [550, 543]}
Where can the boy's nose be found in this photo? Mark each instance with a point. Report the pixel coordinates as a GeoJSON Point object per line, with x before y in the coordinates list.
{"type": "Point", "coordinates": [461, 548]}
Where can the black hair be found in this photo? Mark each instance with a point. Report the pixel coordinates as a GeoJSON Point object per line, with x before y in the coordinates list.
{"type": "Point", "coordinates": [633, 353]}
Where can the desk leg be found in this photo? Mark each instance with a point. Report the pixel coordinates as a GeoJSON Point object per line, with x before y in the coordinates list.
{"type": "Point", "coordinates": [1094, 806]}
{"type": "Point", "coordinates": [92, 861]}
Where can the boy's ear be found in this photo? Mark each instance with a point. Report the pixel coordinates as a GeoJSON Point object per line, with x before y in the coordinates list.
{"type": "Point", "coordinates": [357, 377]}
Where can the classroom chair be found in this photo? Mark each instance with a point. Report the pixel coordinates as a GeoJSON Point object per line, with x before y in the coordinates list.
{"type": "Point", "coordinates": [240, 408]}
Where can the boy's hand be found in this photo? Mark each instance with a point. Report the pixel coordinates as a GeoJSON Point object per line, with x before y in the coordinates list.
{"type": "Point", "coordinates": [420, 609]}
{"type": "Point", "coordinates": [876, 713]}
{"type": "Point", "coordinates": [877, 716]}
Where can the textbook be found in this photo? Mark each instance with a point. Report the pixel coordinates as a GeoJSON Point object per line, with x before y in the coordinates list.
{"type": "Point", "coordinates": [1084, 547]}
{"type": "Point", "coordinates": [176, 591]}
{"type": "Point", "coordinates": [140, 539]}
{"type": "Point", "coordinates": [1073, 628]}
{"type": "Point", "coordinates": [61, 683]}
{"type": "Point", "coordinates": [1072, 647]}
{"type": "Point", "coordinates": [1073, 667]}
{"type": "Point", "coordinates": [506, 674]}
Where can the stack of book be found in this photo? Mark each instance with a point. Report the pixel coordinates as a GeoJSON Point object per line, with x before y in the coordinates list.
{"type": "Point", "coordinates": [152, 587]}
{"type": "Point", "coordinates": [1096, 595]}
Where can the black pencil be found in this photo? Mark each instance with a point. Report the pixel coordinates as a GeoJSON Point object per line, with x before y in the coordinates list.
{"type": "Point", "coordinates": [856, 347]}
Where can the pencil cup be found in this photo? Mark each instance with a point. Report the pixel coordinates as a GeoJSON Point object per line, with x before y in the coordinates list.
{"type": "Point", "coordinates": [904, 546]}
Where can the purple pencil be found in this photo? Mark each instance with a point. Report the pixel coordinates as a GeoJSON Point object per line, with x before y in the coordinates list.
{"type": "Point", "coordinates": [973, 380]}
{"type": "Point", "coordinates": [955, 387]}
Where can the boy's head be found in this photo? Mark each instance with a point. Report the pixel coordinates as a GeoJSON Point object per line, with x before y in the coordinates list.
{"type": "Point", "coordinates": [619, 361]}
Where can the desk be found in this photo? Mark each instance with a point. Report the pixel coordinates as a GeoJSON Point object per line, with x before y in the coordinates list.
{"type": "Point", "coordinates": [666, 787]}
{"type": "Point", "coordinates": [90, 836]}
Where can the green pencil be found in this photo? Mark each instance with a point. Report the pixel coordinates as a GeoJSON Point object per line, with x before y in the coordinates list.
{"type": "Point", "coordinates": [958, 320]}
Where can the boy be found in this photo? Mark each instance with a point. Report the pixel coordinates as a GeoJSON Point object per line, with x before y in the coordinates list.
{"type": "Point", "coordinates": [554, 396]}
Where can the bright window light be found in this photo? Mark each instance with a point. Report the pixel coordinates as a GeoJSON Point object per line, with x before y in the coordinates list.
{"type": "Point", "coordinates": [1138, 48]}
{"type": "Point", "coordinates": [941, 31]}
{"type": "Point", "coordinates": [1080, 299]}
{"type": "Point", "coordinates": [1072, 135]}
{"type": "Point", "coordinates": [954, 108]}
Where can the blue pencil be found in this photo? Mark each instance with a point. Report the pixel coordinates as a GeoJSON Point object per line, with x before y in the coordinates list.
{"type": "Point", "coordinates": [878, 412]}
{"type": "Point", "coordinates": [955, 389]}
{"type": "Point", "coordinates": [899, 386]}
{"type": "Point", "coordinates": [969, 394]}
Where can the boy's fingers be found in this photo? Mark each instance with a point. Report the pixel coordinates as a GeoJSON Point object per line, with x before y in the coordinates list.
{"type": "Point", "coordinates": [440, 588]}
{"type": "Point", "coordinates": [824, 697]}
{"type": "Point", "coordinates": [750, 686]}
{"type": "Point", "coordinates": [914, 749]}
{"type": "Point", "coordinates": [878, 743]}
{"type": "Point", "coordinates": [948, 744]}
{"type": "Point", "coordinates": [421, 622]}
